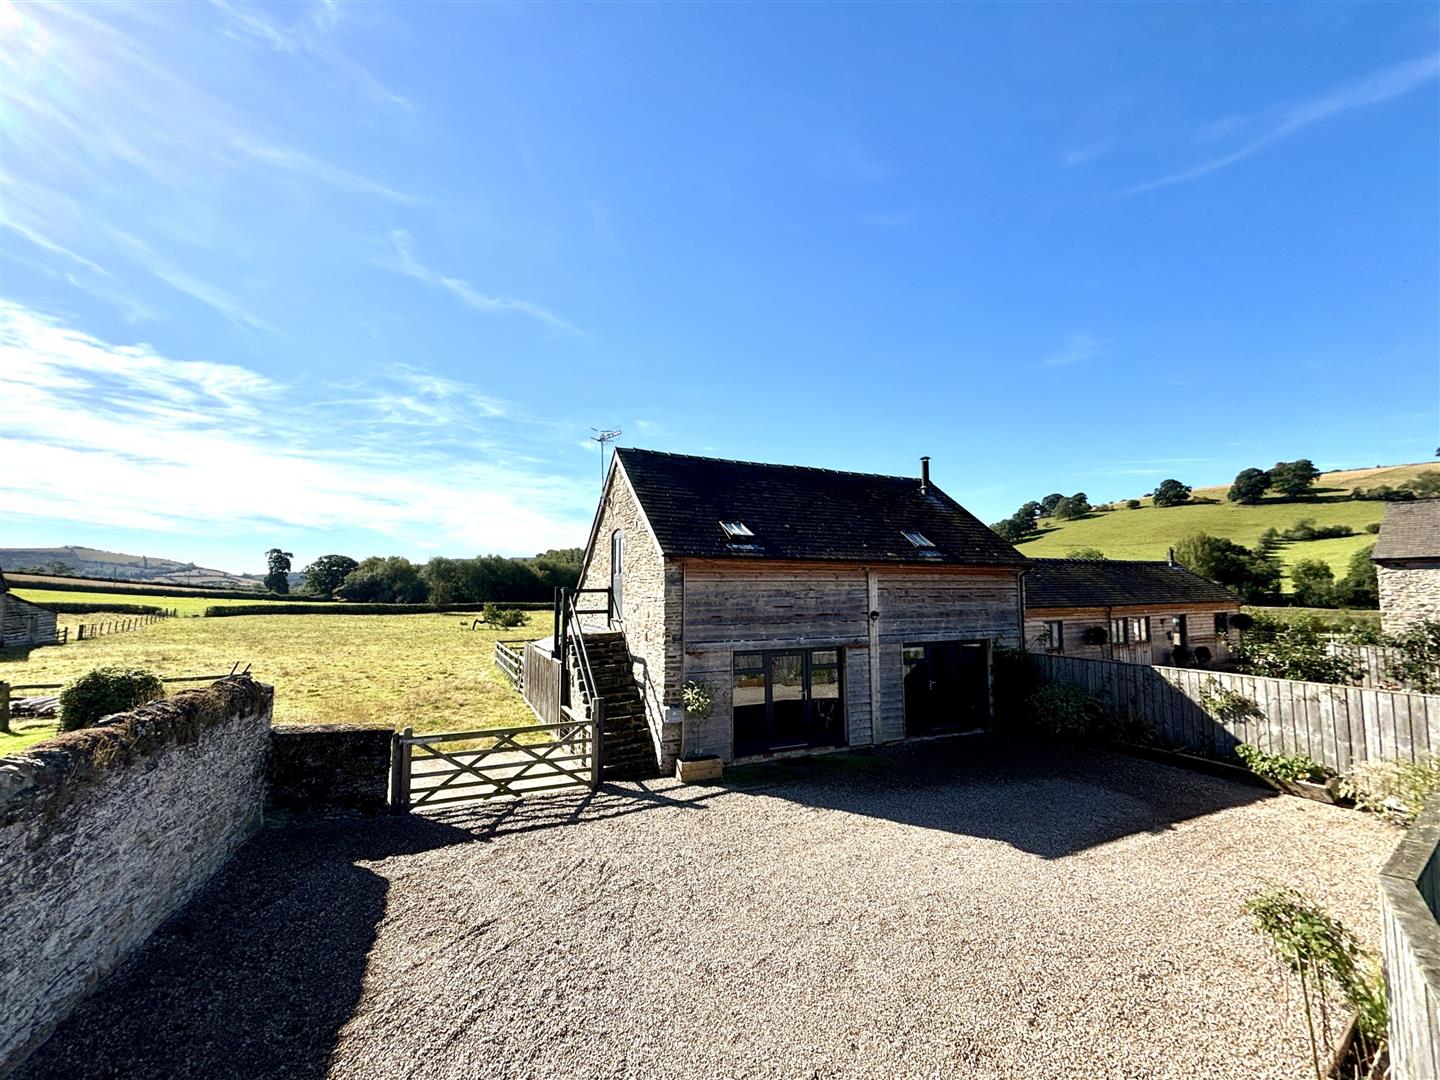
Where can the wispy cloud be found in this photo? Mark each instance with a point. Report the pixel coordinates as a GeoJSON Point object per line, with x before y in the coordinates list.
{"type": "Point", "coordinates": [51, 246]}
{"type": "Point", "coordinates": [1083, 155]}
{"type": "Point", "coordinates": [410, 476]}
{"type": "Point", "coordinates": [1078, 346]}
{"type": "Point", "coordinates": [1380, 86]}
{"type": "Point", "coordinates": [311, 35]}
{"type": "Point", "coordinates": [411, 266]}
{"type": "Point", "coordinates": [210, 295]}
{"type": "Point", "coordinates": [290, 159]}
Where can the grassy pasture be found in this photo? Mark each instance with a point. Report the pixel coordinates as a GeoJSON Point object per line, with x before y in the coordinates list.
{"type": "Point", "coordinates": [429, 672]}
{"type": "Point", "coordinates": [184, 605]}
{"type": "Point", "coordinates": [1149, 532]}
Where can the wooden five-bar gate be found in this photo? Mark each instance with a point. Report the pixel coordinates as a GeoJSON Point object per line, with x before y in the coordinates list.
{"type": "Point", "coordinates": [430, 769]}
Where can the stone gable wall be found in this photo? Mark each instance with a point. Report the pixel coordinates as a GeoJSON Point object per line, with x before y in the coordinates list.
{"type": "Point", "coordinates": [105, 832]}
{"type": "Point", "coordinates": [1409, 593]}
{"type": "Point", "coordinates": [649, 612]}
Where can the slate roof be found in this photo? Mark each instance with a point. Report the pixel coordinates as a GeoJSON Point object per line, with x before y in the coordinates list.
{"type": "Point", "coordinates": [803, 513]}
{"type": "Point", "coordinates": [1091, 583]}
{"type": "Point", "coordinates": [1411, 530]}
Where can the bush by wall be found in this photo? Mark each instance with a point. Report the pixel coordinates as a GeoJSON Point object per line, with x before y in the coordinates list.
{"type": "Point", "coordinates": [104, 691]}
{"type": "Point", "coordinates": [358, 609]}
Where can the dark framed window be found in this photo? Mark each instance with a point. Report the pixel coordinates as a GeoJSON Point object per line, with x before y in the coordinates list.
{"type": "Point", "coordinates": [1054, 636]}
{"type": "Point", "coordinates": [1179, 630]}
{"type": "Point", "coordinates": [1139, 628]}
{"type": "Point", "coordinates": [787, 699]}
{"type": "Point", "coordinates": [1119, 631]}
{"type": "Point", "coordinates": [1222, 622]}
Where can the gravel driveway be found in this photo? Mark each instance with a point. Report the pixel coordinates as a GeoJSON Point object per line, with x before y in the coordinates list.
{"type": "Point", "coordinates": [961, 907]}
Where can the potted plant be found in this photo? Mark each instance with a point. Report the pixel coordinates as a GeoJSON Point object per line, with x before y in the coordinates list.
{"type": "Point", "coordinates": [1293, 774]}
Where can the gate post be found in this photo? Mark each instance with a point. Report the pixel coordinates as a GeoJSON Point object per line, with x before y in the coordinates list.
{"type": "Point", "coordinates": [400, 771]}
{"type": "Point", "coordinates": [597, 741]}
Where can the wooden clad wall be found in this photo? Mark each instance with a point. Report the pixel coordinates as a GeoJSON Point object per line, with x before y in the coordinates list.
{"type": "Point", "coordinates": [1333, 725]}
{"type": "Point", "coordinates": [542, 683]}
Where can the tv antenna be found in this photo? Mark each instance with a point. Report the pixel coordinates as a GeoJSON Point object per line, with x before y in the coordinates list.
{"type": "Point", "coordinates": [604, 436]}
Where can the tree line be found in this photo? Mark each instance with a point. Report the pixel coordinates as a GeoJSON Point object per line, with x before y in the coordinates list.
{"type": "Point", "coordinates": [394, 579]}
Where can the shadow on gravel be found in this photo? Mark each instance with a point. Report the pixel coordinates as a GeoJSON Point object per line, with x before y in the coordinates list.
{"type": "Point", "coordinates": [1049, 800]}
{"type": "Point", "coordinates": [255, 977]}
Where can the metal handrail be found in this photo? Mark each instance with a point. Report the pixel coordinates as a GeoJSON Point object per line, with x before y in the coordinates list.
{"type": "Point", "coordinates": [576, 636]}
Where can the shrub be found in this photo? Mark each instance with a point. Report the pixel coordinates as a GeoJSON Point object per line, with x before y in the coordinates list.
{"type": "Point", "coordinates": [1292, 767]}
{"type": "Point", "coordinates": [504, 618]}
{"type": "Point", "coordinates": [104, 691]}
{"type": "Point", "coordinates": [1294, 650]}
{"type": "Point", "coordinates": [1085, 553]}
{"type": "Point", "coordinates": [1327, 958]}
{"type": "Point", "coordinates": [1397, 789]}
{"type": "Point", "coordinates": [1066, 711]}
{"type": "Point", "coordinates": [1373, 527]}
{"type": "Point", "coordinates": [699, 699]}
{"type": "Point", "coordinates": [1227, 705]}
{"type": "Point", "coordinates": [1314, 583]}
{"type": "Point", "coordinates": [1416, 660]}
{"type": "Point", "coordinates": [1132, 504]}
{"type": "Point", "coordinates": [1241, 621]}
{"type": "Point", "coordinates": [1094, 635]}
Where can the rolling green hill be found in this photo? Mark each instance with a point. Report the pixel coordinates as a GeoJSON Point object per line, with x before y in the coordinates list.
{"type": "Point", "coordinates": [1148, 532]}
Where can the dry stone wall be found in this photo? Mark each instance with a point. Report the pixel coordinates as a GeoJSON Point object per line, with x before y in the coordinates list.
{"type": "Point", "coordinates": [105, 832]}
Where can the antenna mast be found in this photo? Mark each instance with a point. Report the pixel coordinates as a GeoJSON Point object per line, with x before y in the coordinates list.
{"type": "Point", "coordinates": [604, 436]}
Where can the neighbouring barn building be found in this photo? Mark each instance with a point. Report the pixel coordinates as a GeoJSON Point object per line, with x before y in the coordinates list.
{"type": "Point", "coordinates": [815, 608]}
{"type": "Point", "coordinates": [1138, 612]}
{"type": "Point", "coordinates": [23, 623]}
{"type": "Point", "coordinates": [1407, 564]}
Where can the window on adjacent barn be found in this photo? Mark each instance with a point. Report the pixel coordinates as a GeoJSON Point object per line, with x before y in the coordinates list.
{"type": "Point", "coordinates": [736, 530]}
{"type": "Point", "coordinates": [1222, 622]}
{"type": "Point", "coordinates": [920, 540]}
{"type": "Point", "coordinates": [1139, 628]}
{"type": "Point", "coordinates": [1054, 636]}
{"type": "Point", "coordinates": [1119, 634]}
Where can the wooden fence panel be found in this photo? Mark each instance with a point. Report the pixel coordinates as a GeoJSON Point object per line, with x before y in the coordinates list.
{"type": "Point", "coordinates": [1333, 725]}
{"type": "Point", "coordinates": [541, 684]}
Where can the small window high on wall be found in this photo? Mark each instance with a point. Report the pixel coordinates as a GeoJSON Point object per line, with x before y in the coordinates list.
{"type": "Point", "coordinates": [617, 574]}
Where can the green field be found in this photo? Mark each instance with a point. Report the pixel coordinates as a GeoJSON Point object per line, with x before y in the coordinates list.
{"type": "Point", "coordinates": [429, 672]}
{"type": "Point", "coordinates": [1150, 531]}
{"type": "Point", "coordinates": [183, 605]}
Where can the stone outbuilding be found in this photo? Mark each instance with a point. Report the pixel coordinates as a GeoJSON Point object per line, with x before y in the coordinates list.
{"type": "Point", "coordinates": [811, 608]}
{"type": "Point", "coordinates": [23, 623]}
{"type": "Point", "coordinates": [1407, 564]}
{"type": "Point", "coordinates": [1133, 611]}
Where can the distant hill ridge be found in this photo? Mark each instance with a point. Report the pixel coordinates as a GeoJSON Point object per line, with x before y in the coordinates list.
{"type": "Point", "coordinates": [96, 563]}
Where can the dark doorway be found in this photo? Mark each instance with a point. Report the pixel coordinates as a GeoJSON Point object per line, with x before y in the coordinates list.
{"type": "Point", "coordinates": [787, 701]}
{"type": "Point", "coordinates": [947, 686]}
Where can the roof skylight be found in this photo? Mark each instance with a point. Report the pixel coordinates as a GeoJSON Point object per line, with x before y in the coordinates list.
{"type": "Point", "coordinates": [917, 538]}
{"type": "Point", "coordinates": [736, 530]}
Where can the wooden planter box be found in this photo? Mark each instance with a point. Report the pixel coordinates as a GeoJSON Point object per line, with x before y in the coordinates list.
{"type": "Point", "coordinates": [698, 770]}
{"type": "Point", "coordinates": [1327, 792]}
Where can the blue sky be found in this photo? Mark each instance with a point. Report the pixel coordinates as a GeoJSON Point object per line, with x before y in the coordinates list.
{"type": "Point", "coordinates": [360, 278]}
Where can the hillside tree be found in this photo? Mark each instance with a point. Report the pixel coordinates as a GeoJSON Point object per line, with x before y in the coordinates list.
{"type": "Point", "coordinates": [1048, 504]}
{"type": "Point", "coordinates": [278, 579]}
{"type": "Point", "coordinates": [324, 575]}
{"type": "Point", "coordinates": [1233, 565]}
{"type": "Point", "coordinates": [1294, 478]}
{"type": "Point", "coordinates": [1360, 587]}
{"type": "Point", "coordinates": [1072, 507]}
{"type": "Point", "coordinates": [1313, 583]}
{"type": "Point", "coordinates": [1172, 493]}
{"type": "Point", "coordinates": [1249, 487]}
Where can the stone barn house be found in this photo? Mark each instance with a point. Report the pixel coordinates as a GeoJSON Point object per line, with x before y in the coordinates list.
{"type": "Point", "coordinates": [23, 623]}
{"type": "Point", "coordinates": [816, 608]}
{"type": "Point", "coordinates": [1137, 612]}
{"type": "Point", "coordinates": [1407, 564]}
